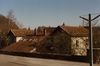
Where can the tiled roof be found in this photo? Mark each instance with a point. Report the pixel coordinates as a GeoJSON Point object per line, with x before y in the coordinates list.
{"type": "Point", "coordinates": [22, 46]}
{"type": "Point", "coordinates": [75, 30]}
{"type": "Point", "coordinates": [35, 38]}
{"type": "Point", "coordinates": [21, 32]}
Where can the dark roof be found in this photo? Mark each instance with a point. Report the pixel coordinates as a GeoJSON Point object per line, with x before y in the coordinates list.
{"type": "Point", "coordinates": [21, 32]}
{"type": "Point", "coordinates": [75, 30]}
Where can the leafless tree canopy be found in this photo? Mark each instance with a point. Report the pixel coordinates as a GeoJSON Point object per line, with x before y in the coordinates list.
{"type": "Point", "coordinates": [11, 16]}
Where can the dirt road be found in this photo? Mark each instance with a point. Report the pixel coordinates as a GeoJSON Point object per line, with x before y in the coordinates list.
{"type": "Point", "coordinates": [7, 60]}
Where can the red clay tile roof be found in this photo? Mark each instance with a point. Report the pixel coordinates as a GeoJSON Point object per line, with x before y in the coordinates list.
{"type": "Point", "coordinates": [21, 32]}
{"type": "Point", "coordinates": [75, 30]}
{"type": "Point", "coordinates": [22, 46]}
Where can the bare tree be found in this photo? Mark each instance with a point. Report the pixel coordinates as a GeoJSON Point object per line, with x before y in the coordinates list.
{"type": "Point", "coordinates": [11, 15]}
{"type": "Point", "coordinates": [12, 18]}
{"type": "Point", "coordinates": [20, 25]}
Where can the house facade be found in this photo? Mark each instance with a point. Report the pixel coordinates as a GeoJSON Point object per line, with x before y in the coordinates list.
{"type": "Point", "coordinates": [79, 39]}
{"type": "Point", "coordinates": [79, 46]}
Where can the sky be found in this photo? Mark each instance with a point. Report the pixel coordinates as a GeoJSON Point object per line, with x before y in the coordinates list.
{"type": "Point", "coordinates": [34, 13]}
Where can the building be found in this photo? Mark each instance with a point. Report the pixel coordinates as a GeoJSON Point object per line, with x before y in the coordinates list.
{"type": "Point", "coordinates": [15, 35]}
{"type": "Point", "coordinates": [68, 40]}
{"type": "Point", "coordinates": [26, 40]}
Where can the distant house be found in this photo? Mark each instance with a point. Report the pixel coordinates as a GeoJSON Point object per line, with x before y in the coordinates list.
{"type": "Point", "coordinates": [30, 39]}
{"type": "Point", "coordinates": [71, 40]}
{"type": "Point", "coordinates": [15, 35]}
{"type": "Point", "coordinates": [79, 39]}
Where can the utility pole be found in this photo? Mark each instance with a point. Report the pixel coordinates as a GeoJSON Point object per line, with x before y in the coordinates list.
{"type": "Point", "coordinates": [90, 37]}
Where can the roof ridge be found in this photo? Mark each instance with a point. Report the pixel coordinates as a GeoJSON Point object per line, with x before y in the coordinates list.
{"type": "Point", "coordinates": [75, 30]}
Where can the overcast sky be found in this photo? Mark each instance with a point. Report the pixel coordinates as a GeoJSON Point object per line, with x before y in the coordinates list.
{"type": "Point", "coordinates": [33, 13]}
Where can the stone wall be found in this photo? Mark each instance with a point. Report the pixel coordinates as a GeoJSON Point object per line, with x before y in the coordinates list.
{"type": "Point", "coordinates": [79, 46]}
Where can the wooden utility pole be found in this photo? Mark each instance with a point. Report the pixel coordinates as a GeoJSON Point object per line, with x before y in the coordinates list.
{"type": "Point", "coordinates": [90, 38]}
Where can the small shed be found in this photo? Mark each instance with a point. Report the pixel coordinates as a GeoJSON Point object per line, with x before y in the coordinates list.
{"type": "Point", "coordinates": [15, 35]}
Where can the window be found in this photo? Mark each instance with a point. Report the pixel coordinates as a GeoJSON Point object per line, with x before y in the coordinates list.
{"type": "Point", "coordinates": [77, 43]}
